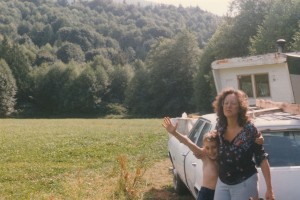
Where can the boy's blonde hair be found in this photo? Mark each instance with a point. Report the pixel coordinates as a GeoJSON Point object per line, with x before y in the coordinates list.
{"type": "Point", "coordinates": [211, 136]}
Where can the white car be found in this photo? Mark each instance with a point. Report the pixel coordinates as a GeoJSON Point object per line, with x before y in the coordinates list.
{"type": "Point", "coordinates": [281, 132]}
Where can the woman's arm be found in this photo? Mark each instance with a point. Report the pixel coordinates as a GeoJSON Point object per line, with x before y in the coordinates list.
{"type": "Point", "coordinates": [261, 159]}
{"type": "Point", "coordinates": [167, 124]}
{"type": "Point", "coordinates": [265, 168]}
{"type": "Point", "coordinates": [259, 139]}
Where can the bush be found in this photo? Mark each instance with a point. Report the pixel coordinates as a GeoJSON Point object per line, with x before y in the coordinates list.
{"type": "Point", "coordinates": [115, 109]}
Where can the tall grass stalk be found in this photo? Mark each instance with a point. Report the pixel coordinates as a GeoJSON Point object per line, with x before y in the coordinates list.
{"type": "Point", "coordinates": [129, 185]}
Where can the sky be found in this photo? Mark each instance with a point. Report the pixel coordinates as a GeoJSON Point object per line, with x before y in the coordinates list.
{"type": "Point", "coordinates": [218, 7]}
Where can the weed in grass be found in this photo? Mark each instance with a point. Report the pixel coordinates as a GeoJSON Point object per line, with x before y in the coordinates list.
{"type": "Point", "coordinates": [129, 184]}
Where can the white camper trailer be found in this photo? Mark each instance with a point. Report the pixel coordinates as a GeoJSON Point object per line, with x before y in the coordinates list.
{"type": "Point", "coordinates": [267, 76]}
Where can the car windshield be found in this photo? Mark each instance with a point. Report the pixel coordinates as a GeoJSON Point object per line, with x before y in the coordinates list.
{"type": "Point", "coordinates": [283, 147]}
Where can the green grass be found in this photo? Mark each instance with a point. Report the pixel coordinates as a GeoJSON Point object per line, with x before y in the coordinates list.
{"type": "Point", "coordinates": [72, 158]}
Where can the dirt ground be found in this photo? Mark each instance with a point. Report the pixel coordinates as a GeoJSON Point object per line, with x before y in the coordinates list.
{"type": "Point", "coordinates": [160, 183]}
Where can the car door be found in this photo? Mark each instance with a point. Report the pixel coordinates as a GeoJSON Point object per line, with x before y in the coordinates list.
{"type": "Point", "coordinates": [193, 165]}
{"type": "Point", "coordinates": [179, 151]}
{"type": "Point", "coordinates": [283, 147]}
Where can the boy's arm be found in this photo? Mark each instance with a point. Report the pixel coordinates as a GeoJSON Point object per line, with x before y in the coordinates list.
{"type": "Point", "coordinates": [167, 124]}
{"type": "Point", "coordinates": [185, 140]}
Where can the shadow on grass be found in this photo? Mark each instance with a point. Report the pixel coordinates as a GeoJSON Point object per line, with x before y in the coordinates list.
{"type": "Point", "coordinates": [166, 193]}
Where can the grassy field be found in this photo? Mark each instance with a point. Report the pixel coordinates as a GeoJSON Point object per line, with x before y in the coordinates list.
{"type": "Point", "coordinates": [73, 158]}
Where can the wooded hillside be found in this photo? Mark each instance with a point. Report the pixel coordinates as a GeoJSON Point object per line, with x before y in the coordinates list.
{"type": "Point", "coordinates": [96, 58]}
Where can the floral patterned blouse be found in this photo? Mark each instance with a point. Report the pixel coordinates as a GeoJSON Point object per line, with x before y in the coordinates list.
{"type": "Point", "coordinates": [237, 158]}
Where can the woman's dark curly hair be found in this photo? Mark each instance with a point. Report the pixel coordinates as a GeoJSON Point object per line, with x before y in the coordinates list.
{"type": "Point", "coordinates": [243, 107]}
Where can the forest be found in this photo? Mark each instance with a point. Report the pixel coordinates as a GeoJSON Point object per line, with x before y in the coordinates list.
{"type": "Point", "coordinates": [102, 58]}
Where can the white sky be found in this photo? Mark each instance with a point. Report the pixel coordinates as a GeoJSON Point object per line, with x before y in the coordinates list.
{"type": "Point", "coordinates": [218, 7]}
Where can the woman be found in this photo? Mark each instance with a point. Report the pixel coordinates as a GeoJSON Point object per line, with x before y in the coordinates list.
{"type": "Point", "coordinates": [238, 179]}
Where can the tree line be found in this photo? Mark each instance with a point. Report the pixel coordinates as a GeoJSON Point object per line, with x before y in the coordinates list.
{"type": "Point", "coordinates": [97, 58]}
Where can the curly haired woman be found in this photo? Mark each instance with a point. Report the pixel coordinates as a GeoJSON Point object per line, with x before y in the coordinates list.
{"type": "Point", "coordinates": [238, 178]}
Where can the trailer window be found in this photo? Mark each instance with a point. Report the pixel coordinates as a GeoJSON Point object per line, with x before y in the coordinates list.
{"type": "Point", "coordinates": [255, 85]}
{"type": "Point", "coordinates": [245, 84]}
{"type": "Point", "coordinates": [262, 85]}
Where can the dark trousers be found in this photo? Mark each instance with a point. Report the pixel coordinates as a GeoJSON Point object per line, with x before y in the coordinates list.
{"type": "Point", "coordinates": [206, 194]}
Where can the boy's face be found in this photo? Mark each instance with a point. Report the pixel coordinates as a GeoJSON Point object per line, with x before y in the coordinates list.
{"type": "Point", "coordinates": [211, 149]}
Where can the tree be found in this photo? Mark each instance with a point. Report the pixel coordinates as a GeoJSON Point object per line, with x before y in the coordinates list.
{"type": "Point", "coordinates": [296, 38]}
{"type": "Point", "coordinates": [280, 22]}
{"type": "Point", "coordinates": [42, 35]}
{"type": "Point", "coordinates": [70, 51]}
{"type": "Point", "coordinates": [20, 67]}
{"type": "Point", "coordinates": [137, 93]}
{"type": "Point", "coordinates": [86, 38]}
{"type": "Point", "coordinates": [45, 55]}
{"type": "Point", "coordinates": [172, 68]}
{"type": "Point", "coordinates": [232, 37]}
{"type": "Point", "coordinates": [8, 90]}
{"type": "Point", "coordinates": [50, 83]}
{"type": "Point", "coordinates": [69, 89]}
{"type": "Point", "coordinates": [204, 88]}
{"type": "Point", "coordinates": [63, 2]}
{"type": "Point", "coordinates": [60, 22]}
{"type": "Point", "coordinates": [119, 80]}
{"type": "Point", "coordinates": [84, 95]}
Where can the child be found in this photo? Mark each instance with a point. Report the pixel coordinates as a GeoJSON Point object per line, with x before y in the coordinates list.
{"type": "Point", "coordinates": [208, 154]}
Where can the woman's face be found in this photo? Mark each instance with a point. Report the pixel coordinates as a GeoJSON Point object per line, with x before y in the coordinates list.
{"type": "Point", "coordinates": [231, 106]}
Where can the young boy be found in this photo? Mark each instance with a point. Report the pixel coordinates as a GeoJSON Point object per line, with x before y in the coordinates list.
{"type": "Point", "coordinates": [208, 154]}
